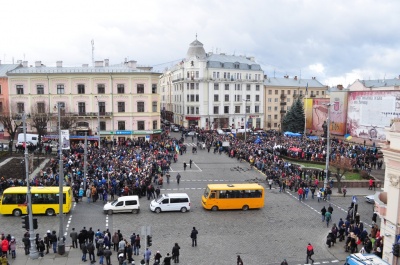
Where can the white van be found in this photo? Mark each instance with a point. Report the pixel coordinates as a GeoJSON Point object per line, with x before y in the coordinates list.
{"type": "Point", "coordinates": [171, 202]}
{"type": "Point", "coordinates": [124, 204]}
{"type": "Point", "coordinates": [33, 138]}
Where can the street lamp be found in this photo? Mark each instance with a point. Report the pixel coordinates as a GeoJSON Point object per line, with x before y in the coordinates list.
{"type": "Point", "coordinates": [33, 253]}
{"type": "Point", "coordinates": [98, 120]}
{"type": "Point", "coordinates": [328, 123]}
{"type": "Point", "coordinates": [61, 243]}
{"type": "Point", "coordinates": [245, 119]}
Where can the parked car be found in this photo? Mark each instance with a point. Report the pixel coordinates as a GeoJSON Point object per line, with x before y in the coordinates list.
{"type": "Point", "coordinates": [192, 133]}
{"type": "Point", "coordinates": [3, 147]}
{"type": "Point", "coordinates": [370, 198]}
{"type": "Point", "coordinates": [175, 129]}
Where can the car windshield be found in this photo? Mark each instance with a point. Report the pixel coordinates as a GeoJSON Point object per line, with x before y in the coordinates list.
{"type": "Point", "coordinates": [160, 199]}
{"type": "Point", "coordinates": [114, 202]}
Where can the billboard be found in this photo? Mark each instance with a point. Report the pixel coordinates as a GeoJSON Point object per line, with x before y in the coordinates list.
{"type": "Point", "coordinates": [338, 112]}
{"type": "Point", "coordinates": [308, 103]}
{"type": "Point", "coordinates": [369, 112]}
{"type": "Point", "coordinates": [65, 139]}
{"type": "Point", "coordinates": [319, 113]}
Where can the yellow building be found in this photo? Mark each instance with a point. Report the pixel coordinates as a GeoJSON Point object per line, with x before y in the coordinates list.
{"type": "Point", "coordinates": [280, 93]}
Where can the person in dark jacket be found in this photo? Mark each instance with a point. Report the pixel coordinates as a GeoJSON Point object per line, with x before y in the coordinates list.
{"type": "Point", "coordinates": [175, 253]}
{"type": "Point", "coordinates": [81, 239]}
{"type": "Point", "coordinates": [90, 249]}
{"type": "Point", "coordinates": [84, 251]}
{"type": "Point", "coordinates": [193, 236]}
{"type": "Point", "coordinates": [90, 235]}
{"type": "Point", "coordinates": [74, 238]}
{"type": "Point", "coordinates": [27, 243]}
{"type": "Point", "coordinates": [41, 247]}
{"type": "Point", "coordinates": [107, 255]}
{"type": "Point", "coordinates": [167, 260]}
{"type": "Point", "coordinates": [323, 211]}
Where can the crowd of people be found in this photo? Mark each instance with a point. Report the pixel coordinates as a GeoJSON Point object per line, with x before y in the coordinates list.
{"type": "Point", "coordinates": [139, 168]}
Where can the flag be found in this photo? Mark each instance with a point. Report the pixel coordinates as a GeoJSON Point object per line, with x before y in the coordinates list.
{"type": "Point", "coordinates": [307, 88]}
{"type": "Point", "coordinates": [348, 137]}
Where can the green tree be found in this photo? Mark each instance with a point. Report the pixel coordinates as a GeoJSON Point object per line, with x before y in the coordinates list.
{"type": "Point", "coordinates": [294, 119]}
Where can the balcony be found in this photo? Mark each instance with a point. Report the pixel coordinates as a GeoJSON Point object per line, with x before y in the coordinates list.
{"type": "Point", "coordinates": [283, 96]}
{"type": "Point", "coordinates": [94, 114]}
{"type": "Point", "coordinates": [282, 111]}
{"type": "Point", "coordinates": [283, 103]}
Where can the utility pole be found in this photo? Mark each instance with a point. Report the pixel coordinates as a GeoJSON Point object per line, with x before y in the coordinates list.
{"type": "Point", "coordinates": [98, 120]}
{"type": "Point", "coordinates": [245, 119]}
{"type": "Point", "coordinates": [61, 243]}
{"type": "Point", "coordinates": [328, 144]}
{"type": "Point", "coordinates": [85, 164]}
{"type": "Point", "coordinates": [33, 253]}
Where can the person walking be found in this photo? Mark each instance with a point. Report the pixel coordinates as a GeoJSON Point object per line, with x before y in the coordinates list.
{"type": "Point", "coordinates": [178, 178]}
{"type": "Point", "coordinates": [167, 260]}
{"type": "Point", "coordinates": [27, 243]}
{"type": "Point", "coordinates": [90, 248]}
{"type": "Point", "coordinates": [300, 193]}
{"type": "Point", "coordinates": [88, 195]}
{"type": "Point", "coordinates": [175, 253]}
{"type": "Point", "coordinates": [74, 238]}
{"type": "Point", "coordinates": [184, 166]}
{"type": "Point", "coordinates": [319, 194]}
{"type": "Point", "coordinates": [323, 211]}
{"type": "Point", "coordinates": [193, 236]}
{"type": "Point", "coordinates": [284, 262]}
{"type": "Point", "coordinates": [344, 191]}
{"type": "Point", "coordinates": [310, 252]}
{"type": "Point", "coordinates": [270, 181]}
{"type": "Point", "coordinates": [107, 255]}
{"type": "Point", "coordinates": [84, 251]}
{"type": "Point", "coordinates": [136, 246]}
{"type": "Point", "coordinates": [147, 256]}
{"type": "Point", "coordinates": [239, 260]}
{"type": "Point", "coordinates": [328, 216]}
{"type": "Point", "coordinates": [54, 241]}
{"type": "Point", "coordinates": [190, 163]}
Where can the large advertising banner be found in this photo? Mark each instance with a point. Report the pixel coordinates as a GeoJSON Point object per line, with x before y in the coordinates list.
{"type": "Point", "coordinates": [338, 112]}
{"type": "Point", "coordinates": [308, 104]}
{"type": "Point", "coordinates": [319, 113]}
{"type": "Point", "coordinates": [369, 112]}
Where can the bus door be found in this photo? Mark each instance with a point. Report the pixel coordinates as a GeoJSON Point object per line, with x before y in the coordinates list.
{"type": "Point", "coordinates": [212, 200]}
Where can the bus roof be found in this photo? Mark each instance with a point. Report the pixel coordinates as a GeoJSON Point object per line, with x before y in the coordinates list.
{"type": "Point", "coordinates": [46, 189]}
{"type": "Point", "coordinates": [242, 186]}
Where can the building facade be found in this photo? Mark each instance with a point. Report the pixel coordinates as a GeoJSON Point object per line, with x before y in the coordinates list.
{"type": "Point", "coordinates": [280, 93]}
{"type": "Point", "coordinates": [211, 91]}
{"type": "Point", "coordinates": [4, 103]}
{"type": "Point", "coordinates": [121, 101]}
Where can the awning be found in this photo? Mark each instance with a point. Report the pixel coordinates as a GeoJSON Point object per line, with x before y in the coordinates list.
{"type": "Point", "coordinates": [192, 118]}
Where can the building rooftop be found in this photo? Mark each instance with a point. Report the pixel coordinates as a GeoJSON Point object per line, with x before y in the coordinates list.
{"type": "Point", "coordinates": [4, 68]}
{"type": "Point", "coordinates": [380, 83]}
{"type": "Point", "coordinates": [292, 82]}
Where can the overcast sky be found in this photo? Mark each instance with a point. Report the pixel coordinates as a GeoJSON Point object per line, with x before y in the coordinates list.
{"type": "Point", "coordinates": [335, 41]}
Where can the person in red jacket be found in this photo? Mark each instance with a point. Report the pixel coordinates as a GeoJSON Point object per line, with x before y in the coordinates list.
{"type": "Point", "coordinates": [4, 246]}
{"type": "Point", "coordinates": [310, 252]}
{"type": "Point", "coordinates": [300, 192]}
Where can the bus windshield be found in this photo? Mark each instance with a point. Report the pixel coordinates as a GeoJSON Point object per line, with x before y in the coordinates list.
{"type": "Point", "coordinates": [207, 192]}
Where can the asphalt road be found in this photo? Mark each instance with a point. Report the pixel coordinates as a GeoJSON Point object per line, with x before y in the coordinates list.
{"type": "Point", "coordinates": [280, 230]}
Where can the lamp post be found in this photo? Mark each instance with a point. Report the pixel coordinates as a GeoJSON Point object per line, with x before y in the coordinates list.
{"type": "Point", "coordinates": [61, 243]}
{"type": "Point", "coordinates": [33, 253]}
{"type": "Point", "coordinates": [245, 119]}
{"type": "Point", "coordinates": [328, 144]}
{"type": "Point", "coordinates": [98, 119]}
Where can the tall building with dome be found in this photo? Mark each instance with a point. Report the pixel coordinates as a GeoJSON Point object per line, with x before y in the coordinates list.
{"type": "Point", "coordinates": [213, 91]}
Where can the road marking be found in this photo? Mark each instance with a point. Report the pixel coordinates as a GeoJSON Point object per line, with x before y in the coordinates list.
{"type": "Point", "coordinates": [335, 261]}
{"type": "Point", "coordinates": [107, 221]}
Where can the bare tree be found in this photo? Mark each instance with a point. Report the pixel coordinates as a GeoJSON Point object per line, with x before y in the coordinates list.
{"type": "Point", "coordinates": [40, 117]}
{"type": "Point", "coordinates": [10, 121]}
{"type": "Point", "coordinates": [341, 165]}
{"type": "Point", "coordinates": [67, 121]}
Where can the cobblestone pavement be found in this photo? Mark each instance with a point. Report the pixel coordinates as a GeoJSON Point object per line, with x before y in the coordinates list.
{"type": "Point", "coordinates": [280, 230]}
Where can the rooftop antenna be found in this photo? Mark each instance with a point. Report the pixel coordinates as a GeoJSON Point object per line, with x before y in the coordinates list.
{"type": "Point", "coordinates": [196, 35]}
{"type": "Point", "coordinates": [92, 52]}
{"type": "Point", "coordinates": [274, 72]}
{"type": "Point", "coordinates": [300, 76]}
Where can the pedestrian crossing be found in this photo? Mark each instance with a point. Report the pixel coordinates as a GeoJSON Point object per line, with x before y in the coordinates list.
{"type": "Point", "coordinates": [190, 144]}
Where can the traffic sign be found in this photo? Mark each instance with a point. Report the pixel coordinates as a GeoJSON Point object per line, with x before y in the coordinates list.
{"type": "Point", "coordinates": [123, 132]}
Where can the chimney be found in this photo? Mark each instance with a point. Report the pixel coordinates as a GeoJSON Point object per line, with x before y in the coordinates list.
{"type": "Point", "coordinates": [295, 77]}
{"type": "Point", "coordinates": [132, 64]}
{"type": "Point", "coordinates": [98, 63]}
{"type": "Point", "coordinates": [85, 65]}
{"type": "Point", "coordinates": [38, 63]}
{"type": "Point", "coordinates": [25, 64]}
{"type": "Point", "coordinates": [19, 61]}
{"type": "Point", "coordinates": [340, 87]}
{"type": "Point", "coordinates": [106, 62]}
{"type": "Point", "coordinates": [265, 76]}
{"type": "Point", "coordinates": [59, 63]}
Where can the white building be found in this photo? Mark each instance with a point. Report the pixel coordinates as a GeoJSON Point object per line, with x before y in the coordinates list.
{"type": "Point", "coordinates": [213, 91]}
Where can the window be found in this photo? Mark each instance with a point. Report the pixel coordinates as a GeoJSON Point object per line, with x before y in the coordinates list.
{"type": "Point", "coordinates": [102, 108]}
{"type": "Point", "coordinates": [40, 108]}
{"type": "Point", "coordinates": [140, 125]}
{"type": "Point", "coordinates": [197, 74]}
{"type": "Point", "coordinates": [102, 126]}
{"type": "Point", "coordinates": [81, 89]}
{"type": "Point", "coordinates": [275, 108]}
{"type": "Point", "coordinates": [154, 88]}
{"type": "Point", "coordinates": [197, 86]}
{"type": "Point", "coordinates": [269, 99]}
{"type": "Point", "coordinates": [226, 98]}
{"type": "Point", "coordinates": [121, 125]}
{"type": "Point", "coordinates": [226, 86]}
{"type": "Point", "coordinates": [226, 109]}
{"type": "Point", "coordinates": [60, 89]}
{"type": "Point", "coordinates": [248, 87]}
{"type": "Point", "coordinates": [216, 86]}
{"type": "Point", "coordinates": [20, 89]}
{"type": "Point", "coordinates": [20, 107]}
{"type": "Point", "coordinates": [247, 97]}
{"type": "Point", "coordinates": [257, 87]}
{"type": "Point", "coordinates": [257, 109]}
{"type": "Point", "coordinates": [238, 87]}
{"type": "Point", "coordinates": [197, 110]}
{"type": "Point", "coordinates": [288, 92]}
{"type": "Point", "coordinates": [237, 109]}
{"type": "Point", "coordinates": [192, 86]}
{"type": "Point", "coordinates": [101, 89]}
{"type": "Point", "coordinates": [40, 89]}
{"type": "Point", "coordinates": [192, 98]}
{"type": "Point", "coordinates": [140, 88]}
{"type": "Point", "coordinates": [317, 93]}
{"type": "Point", "coordinates": [216, 110]}
{"type": "Point", "coordinates": [154, 125]}
{"type": "Point", "coordinates": [270, 92]}
{"type": "Point", "coordinates": [216, 98]}
{"type": "Point", "coordinates": [197, 97]}
{"type": "Point", "coordinates": [81, 108]}
{"type": "Point", "coordinates": [257, 97]}
{"type": "Point", "coordinates": [276, 100]}
{"type": "Point", "coordinates": [275, 124]}
{"type": "Point", "coordinates": [140, 106]}
{"type": "Point", "coordinates": [62, 108]}
{"type": "Point", "coordinates": [121, 106]}
{"type": "Point", "coordinates": [288, 99]}
{"type": "Point", "coordinates": [276, 92]}
{"type": "Point", "coordinates": [154, 106]}
{"type": "Point", "coordinates": [322, 92]}
{"type": "Point", "coordinates": [269, 108]}
{"type": "Point", "coordinates": [1, 91]}
{"type": "Point", "coordinates": [247, 109]}
{"type": "Point", "coordinates": [1, 106]}
{"type": "Point", "coordinates": [120, 88]}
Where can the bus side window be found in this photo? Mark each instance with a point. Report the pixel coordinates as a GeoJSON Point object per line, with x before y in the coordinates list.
{"type": "Point", "coordinates": [9, 199]}
{"type": "Point", "coordinates": [212, 195]}
{"type": "Point", "coordinates": [258, 194]}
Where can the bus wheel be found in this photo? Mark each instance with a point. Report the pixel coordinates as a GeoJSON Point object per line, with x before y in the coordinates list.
{"type": "Point", "coordinates": [17, 212]}
{"type": "Point", "coordinates": [245, 207]}
{"type": "Point", "coordinates": [50, 212]}
{"type": "Point", "coordinates": [214, 208]}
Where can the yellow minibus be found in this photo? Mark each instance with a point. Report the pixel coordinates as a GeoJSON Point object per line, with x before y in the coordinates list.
{"type": "Point", "coordinates": [44, 200]}
{"type": "Point", "coordinates": [233, 196]}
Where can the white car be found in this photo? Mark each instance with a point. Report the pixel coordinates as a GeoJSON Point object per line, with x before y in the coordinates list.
{"type": "Point", "coordinates": [192, 133]}
{"type": "Point", "coordinates": [370, 198]}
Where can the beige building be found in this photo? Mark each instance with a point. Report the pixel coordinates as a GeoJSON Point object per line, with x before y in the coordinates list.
{"type": "Point", "coordinates": [387, 202]}
{"type": "Point", "coordinates": [280, 93]}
